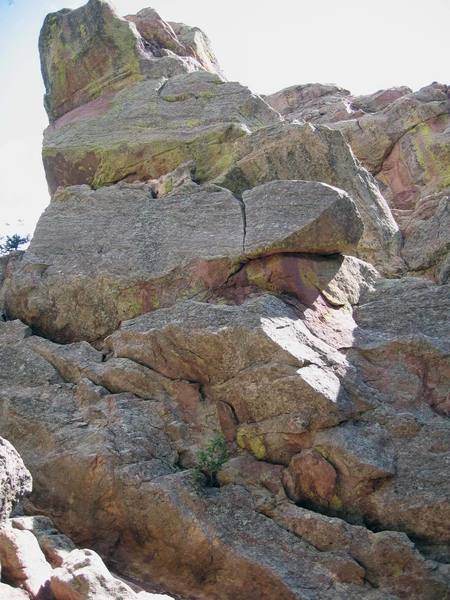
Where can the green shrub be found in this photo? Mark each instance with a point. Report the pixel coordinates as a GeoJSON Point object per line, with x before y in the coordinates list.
{"type": "Point", "coordinates": [210, 460]}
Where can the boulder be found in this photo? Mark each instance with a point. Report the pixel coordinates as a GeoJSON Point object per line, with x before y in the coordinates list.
{"type": "Point", "coordinates": [23, 563]}
{"type": "Point", "coordinates": [328, 103]}
{"type": "Point", "coordinates": [15, 480]}
{"type": "Point", "coordinates": [405, 144]}
{"type": "Point", "coordinates": [150, 128]}
{"type": "Point", "coordinates": [198, 45]}
{"type": "Point", "coordinates": [162, 38]}
{"type": "Point", "coordinates": [85, 52]}
{"type": "Point", "coordinates": [310, 478]}
{"type": "Point", "coordinates": [400, 136]}
{"type": "Point", "coordinates": [90, 51]}
{"type": "Point", "coordinates": [313, 102]}
{"type": "Point", "coordinates": [55, 545]}
{"type": "Point", "coordinates": [102, 256]}
{"type": "Point", "coordinates": [340, 280]}
{"type": "Point", "coordinates": [274, 210]}
{"type": "Point", "coordinates": [316, 153]}
{"type": "Point", "coordinates": [83, 576]}
{"type": "Point", "coordinates": [371, 103]}
{"type": "Point", "coordinates": [99, 257]}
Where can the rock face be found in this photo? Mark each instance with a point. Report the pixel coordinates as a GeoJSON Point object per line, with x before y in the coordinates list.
{"type": "Point", "coordinates": [403, 139]}
{"type": "Point", "coordinates": [214, 268]}
{"type": "Point", "coordinates": [90, 51]}
{"type": "Point", "coordinates": [117, 252]}
{"type": "Point", "coordinates": [141, 127]}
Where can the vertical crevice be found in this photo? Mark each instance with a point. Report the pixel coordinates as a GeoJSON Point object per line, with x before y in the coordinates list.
{"type": "Point", "coordinates": [244, 220]}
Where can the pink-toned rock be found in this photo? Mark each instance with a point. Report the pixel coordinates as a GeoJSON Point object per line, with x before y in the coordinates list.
{"type": "Point", "coordinates": [310, 477]}
{"type": "Point", "coordinates": [162, 38]}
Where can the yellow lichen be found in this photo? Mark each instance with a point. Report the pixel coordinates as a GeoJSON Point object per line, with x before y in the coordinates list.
{"type": "Point", "coordinates": [335, 503]}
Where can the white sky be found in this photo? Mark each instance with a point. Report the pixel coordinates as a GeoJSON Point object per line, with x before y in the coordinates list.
{"type": "Point", "coordinates": [363, 45]}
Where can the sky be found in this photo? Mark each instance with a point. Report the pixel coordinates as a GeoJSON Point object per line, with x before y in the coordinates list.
{"type": "Point", "coordinates": [362, 45]}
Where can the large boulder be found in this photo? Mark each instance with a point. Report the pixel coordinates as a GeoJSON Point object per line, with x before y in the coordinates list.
{"type": "Point", "coordinates": [150, 128]}
{"type": "Point", "coordinates": [274, 211]}
{"type": "Point", "coordinates": [99, 257]}
{"type": "Point", "coordinates": [406, 145]}
{"type": "Point", "coordinates": [328, 103]}
{"type": "Point", "coordinates": [83, 576]}
{"type": "Point", "coordinates": [90, 51]}
{"type": "Point", "coordinates": [317, 153]}
{"type": "Point", "coordinates": [314, 102]}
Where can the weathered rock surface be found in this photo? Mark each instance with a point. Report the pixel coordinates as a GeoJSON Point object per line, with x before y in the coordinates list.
{"type": "Point", "coordinates": [406, 145]}
{"type": "Point", "coordinates": [7, 265]}
{"type": "Point", "coordinates": [205, 367]}
{"type": "Point", "coordinates": [90, 51]}
{"type": "Point", "coordinates": [150, 128]}
{"type": "Point", "coordinates": [23, 563]}
{"type": "Point", "coordinates": [328, 103]}
{"type": "Point", "coordinates": [146, 126]}
{"type": "Point", "coordinates": [15, 480]}
{"type": "Point", "coordinates": [40, 563]}
{"type": "Point", "coordinates": [400, 136]}
{"type": "Point", "coordinates": [293, 151]}
{"type": "Point", "coordinates": [162, 38]}
{"type": "Point", "coordinates": [200, 272]}
{"type": "Point", "coordinates": [314, 102]}
{"type": "Point", "coordinates": [426, 235]}
{"type": "Point", "coordinates": [394, 132]}
{"type": "Point", "coordinates": [99, 257]}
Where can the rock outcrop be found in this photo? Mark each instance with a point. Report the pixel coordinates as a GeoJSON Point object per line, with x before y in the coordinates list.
{"type": "Point", "coordinates": [117, 252]}
{"type": "Point", "coordinates": [403, 139]}
{"type": "Point", "coordinates": [214, 265]}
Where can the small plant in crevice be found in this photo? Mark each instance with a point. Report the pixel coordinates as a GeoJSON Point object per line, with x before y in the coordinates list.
{"type": "Point", "coordinates": [210, 460]}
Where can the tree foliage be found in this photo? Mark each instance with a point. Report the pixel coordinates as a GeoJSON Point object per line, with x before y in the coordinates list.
{"type": "Point", "coordinates": [210, 460]}
{"type": "Point", "coordinates": [13, 243]}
